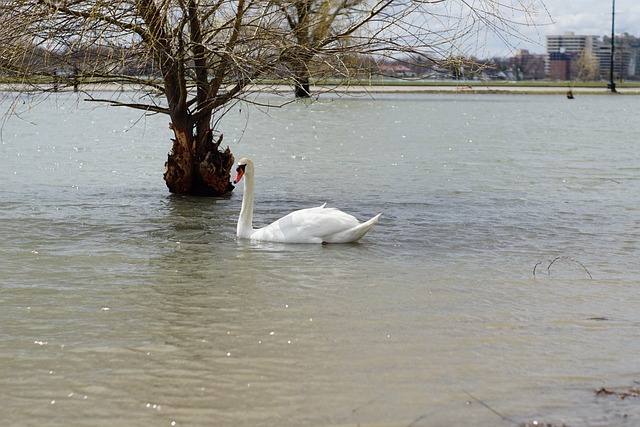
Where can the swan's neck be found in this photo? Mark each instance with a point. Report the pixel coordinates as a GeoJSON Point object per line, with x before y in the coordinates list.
{"type": "Point", "coordinates": [245, 221]}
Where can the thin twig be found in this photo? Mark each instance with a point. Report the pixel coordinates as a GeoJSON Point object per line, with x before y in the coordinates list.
{"type": "Point", "coordinates": [534, 269]}
{"type": "Point", "coordinates": [570, 259]}
{"type": "Point", "coordinates": [504, 417]}
{"type": "Point", "coordinates": [558, 258]}
{"type": "Point", "coordinates": [420, 418]}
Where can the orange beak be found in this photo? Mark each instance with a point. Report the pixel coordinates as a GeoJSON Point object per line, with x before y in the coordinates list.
{"type": "Point", "coordinates": [239, 174]}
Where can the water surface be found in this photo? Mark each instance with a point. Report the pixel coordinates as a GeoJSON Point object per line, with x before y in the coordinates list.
{"type": "Point", "coordinates": [122, 304]}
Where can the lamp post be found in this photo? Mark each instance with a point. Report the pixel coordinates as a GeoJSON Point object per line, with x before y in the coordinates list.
{"type": "Point", "coordinates": [612, 85]}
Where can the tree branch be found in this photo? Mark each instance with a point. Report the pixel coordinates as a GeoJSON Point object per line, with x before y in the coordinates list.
{"type": "Point", "coordinates": [135, 106]}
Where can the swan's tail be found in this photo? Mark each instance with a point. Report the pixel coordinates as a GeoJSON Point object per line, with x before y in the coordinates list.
{"type": "Point", "coordinates": [353, 234]}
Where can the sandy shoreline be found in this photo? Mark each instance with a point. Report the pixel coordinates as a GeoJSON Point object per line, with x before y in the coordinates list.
{"type": "Point", "coordinates": [472, 88]}
{"type": "Point", "coordinates": [465, 88]}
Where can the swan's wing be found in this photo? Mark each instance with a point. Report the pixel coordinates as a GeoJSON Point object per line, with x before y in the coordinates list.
{"type": "Point", "coordinates": [308, 226]}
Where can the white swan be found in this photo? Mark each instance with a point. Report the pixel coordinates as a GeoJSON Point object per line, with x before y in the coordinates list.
{"type": "Point", "coordinates": [313, 225]}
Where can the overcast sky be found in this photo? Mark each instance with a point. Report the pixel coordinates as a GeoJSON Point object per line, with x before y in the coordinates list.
{"type": "Point", "coordinates": [584, 17]}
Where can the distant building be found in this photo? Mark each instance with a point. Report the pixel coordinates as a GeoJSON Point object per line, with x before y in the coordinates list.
{"type": "Point", "coordinates": [570, 43]}
{"type": "Point", "coordinates": [569, 55]}
{"type": "Point", "coordinates": [527, 65]}
{"type": "Point", "coordinates": [627, 55]}
{"type": "Point", "coordinates": [564, 50]}
{"type": "Point", "coordinates": [396, 70]}
{"type": "Point", "coordinates": [558, 65]}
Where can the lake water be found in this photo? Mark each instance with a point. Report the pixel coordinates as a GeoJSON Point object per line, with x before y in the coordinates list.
{"type": "Point", "coordinates": [124, 305]}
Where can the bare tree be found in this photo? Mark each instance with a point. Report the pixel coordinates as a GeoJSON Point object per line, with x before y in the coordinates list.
{"type": "Point", "coordinates": [203, 55]}
{"type": "Point", "coordinates": [311, 24]}
{"type": "Point", "coordinates": [587, 66]}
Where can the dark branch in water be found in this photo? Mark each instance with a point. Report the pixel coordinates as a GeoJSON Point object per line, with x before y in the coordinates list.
{"type": "Point", "coordinates": [510, 420]}
{"type": "Point", "coordinates": [420, 418]}
{"type": "Point", "coordinates": [632, 392]}
{"type": "Point", "coordinates": [611, 179]}
{"type": "Point", "coordinates": [535, 267]}
{"type": "Point", "coordinates": [504, 417]}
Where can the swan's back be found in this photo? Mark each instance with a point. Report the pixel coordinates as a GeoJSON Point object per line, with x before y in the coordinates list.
{"type": "Point", "coordinates": [315, 225]}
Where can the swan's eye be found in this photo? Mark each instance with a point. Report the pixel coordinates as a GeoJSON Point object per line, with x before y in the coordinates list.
{"type": "Point", "coordinates": [240, 168]}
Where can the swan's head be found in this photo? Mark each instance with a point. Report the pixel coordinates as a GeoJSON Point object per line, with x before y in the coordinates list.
{"type": "Point", "coordinates": [245, 166]}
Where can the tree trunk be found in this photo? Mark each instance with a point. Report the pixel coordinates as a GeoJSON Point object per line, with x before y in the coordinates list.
{"type": "Point", "coordinates": [199, 169]}
{"type": "Point", "coordinates": [301, 80]}
{"type": "Point", "coordinates": [301, 87]}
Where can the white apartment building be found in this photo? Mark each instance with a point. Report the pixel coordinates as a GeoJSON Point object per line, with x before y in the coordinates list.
{"type": "Point", "coordinates": [571, 44]}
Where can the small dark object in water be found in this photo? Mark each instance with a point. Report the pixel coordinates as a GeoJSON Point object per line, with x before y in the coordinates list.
{"type": "Point", "coordinates": [632, 392]}
{"type": "Point", "coordinates": [570, 94]}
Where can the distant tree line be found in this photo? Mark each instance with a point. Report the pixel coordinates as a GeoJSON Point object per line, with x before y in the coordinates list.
{"type": "Point", "coordinates": [524, 66]}
{"type": "Point", "coordinates": [80, 61]}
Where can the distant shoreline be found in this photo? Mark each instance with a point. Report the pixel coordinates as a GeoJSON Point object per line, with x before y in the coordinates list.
{"type": "Point", "coordinates": [471, 87]}
{"type": "Point", "coordinates": [479, 88]}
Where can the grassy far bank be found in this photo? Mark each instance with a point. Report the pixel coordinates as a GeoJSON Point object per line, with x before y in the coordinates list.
{"type": "Point", "coordinates": [370, 82]}
{"type": "Point", "coordinates": [505, 83]}
{"type": "Point", "coordinates": [484, 87]}
{"type": "Point", "coordinates": [502, 86]}
{"type": "Point", "coordinates": [353, 86]}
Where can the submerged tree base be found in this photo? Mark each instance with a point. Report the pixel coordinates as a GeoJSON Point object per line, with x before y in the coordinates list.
{"type": "Point", "coordinates": [199, 169]}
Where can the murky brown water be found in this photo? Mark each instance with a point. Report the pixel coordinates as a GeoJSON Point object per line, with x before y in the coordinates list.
{"type": "Point", "coordinates": [124, 305]}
